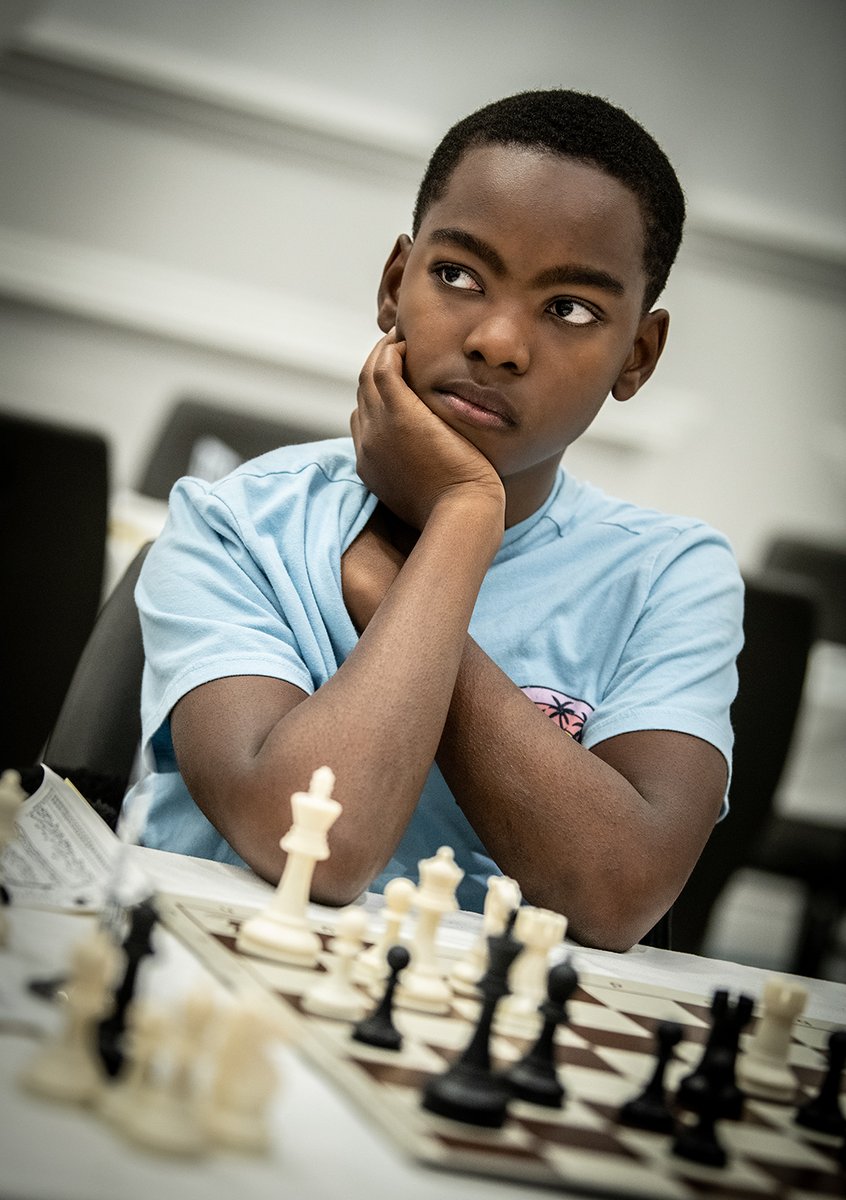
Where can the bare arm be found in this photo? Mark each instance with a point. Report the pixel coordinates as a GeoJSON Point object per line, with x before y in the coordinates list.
{"type": "Point", "coordinates": [607, 836]}
{"type": "Point", "coordinates": [244, 744]}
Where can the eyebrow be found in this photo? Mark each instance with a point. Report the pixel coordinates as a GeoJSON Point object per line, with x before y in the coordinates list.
{"type": "Point", "coordinates": [572, 273]}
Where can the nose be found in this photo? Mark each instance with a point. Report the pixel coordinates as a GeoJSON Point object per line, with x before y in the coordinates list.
{"type": "Point", "coordinates": [499, 340]}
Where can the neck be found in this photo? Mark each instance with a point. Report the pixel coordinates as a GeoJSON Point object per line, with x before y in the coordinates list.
{"type": "Point", "coordinates": [527, 491]}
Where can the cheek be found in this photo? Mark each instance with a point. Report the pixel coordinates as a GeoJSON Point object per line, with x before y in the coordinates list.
{"type": "Point", "coordinates": [424, 342]}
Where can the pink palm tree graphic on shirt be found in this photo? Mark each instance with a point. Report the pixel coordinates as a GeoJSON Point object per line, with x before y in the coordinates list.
{"type": "Point", "coordinates": [568, 713]}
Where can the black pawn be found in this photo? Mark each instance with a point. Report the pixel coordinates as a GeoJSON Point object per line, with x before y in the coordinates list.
{"type": "Point", "coordinates": [699, 1142]}
{"type": "Point", "coordinates": [535, 1078]}
{"type": "Point", "coordinates": [716, 1069]}
{"type": "Point", "coordinates": [822, 1112]}
{"type": "Point", "coordinates": [469, 1090]}
{"type": "Point", "coordinates": [650, 1110]}
{"type": "Point", "coordinates": [378, 1029]}
{"type": "Point", "coordinates": [137, 945]}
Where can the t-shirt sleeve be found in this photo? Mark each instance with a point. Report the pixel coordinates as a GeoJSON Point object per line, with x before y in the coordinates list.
{"type": "Point", "coordinates": [207, 608]}
{"type": "Point", "coordinates": [677, 668]}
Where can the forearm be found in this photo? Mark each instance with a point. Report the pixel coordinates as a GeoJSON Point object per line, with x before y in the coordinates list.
{"type": "Point", "coordinates": [378, 720]}
{"type": "Point", "coordinates": [577, 835]}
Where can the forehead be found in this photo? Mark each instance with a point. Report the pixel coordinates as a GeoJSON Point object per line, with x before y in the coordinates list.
{"type": "Point", "coordinates": [544, 209]}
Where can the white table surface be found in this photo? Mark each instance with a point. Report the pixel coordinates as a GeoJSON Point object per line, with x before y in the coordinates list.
{"type": "Point", "coordinates": [321, 1147]}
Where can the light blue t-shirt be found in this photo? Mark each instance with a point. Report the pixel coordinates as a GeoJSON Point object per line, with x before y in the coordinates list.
{"type": "Point", "coordinates": [610, 617]}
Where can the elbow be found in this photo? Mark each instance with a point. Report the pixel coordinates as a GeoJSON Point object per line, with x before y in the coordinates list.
{"type": "Point", "coordinates": [605, 934]}
{"type": "Point", "coordinates": [619, 914]}
{"type": "Point", "coordinates": [342, 878]}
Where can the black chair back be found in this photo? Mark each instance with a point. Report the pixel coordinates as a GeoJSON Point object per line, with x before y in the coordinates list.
{"type": "Point", "coordinates": [822, 567]}
{"type": "Point", "coordinates": [779, 629]}
{"type": "Point", "coordinates": [208, 440]}
{"type": "Point", "coordinates": [54, 496]}
{"type": "Point", "coordinates": [99, 727]}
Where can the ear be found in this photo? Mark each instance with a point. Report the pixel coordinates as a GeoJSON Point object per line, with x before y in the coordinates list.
{"type": "Point", "coordinates": [646, 350]}
{"type": "Point", "coordinates": [389, 285]}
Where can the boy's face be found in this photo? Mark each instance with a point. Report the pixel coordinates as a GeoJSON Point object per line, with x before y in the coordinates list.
{"type": "Point", "coordinates": [520, 302]}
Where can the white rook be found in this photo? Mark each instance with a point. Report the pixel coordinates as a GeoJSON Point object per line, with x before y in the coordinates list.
{"type": "Point", "coordinates": [764, 1070]}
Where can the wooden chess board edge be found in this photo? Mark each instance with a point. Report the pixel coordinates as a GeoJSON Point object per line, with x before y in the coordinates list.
{"type": "Point", "coordinates": [188, 905]}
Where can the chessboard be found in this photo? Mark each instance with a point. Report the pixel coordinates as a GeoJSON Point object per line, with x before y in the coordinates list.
{"type": "Point", "coordinates": [605, 1055]}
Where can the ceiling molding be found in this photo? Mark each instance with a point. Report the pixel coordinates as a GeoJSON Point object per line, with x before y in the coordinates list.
{"type": "Point", "coordinates": [128, 77]}
{"type": "Point", "coordinates": [263, 325]}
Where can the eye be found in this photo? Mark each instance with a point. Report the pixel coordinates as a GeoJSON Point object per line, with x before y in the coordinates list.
{"type": "Point", "coordinates": [572, 312]}
{"type": "Point", "coordinates": [456, 277]}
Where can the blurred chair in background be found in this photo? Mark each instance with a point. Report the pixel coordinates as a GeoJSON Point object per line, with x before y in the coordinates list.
{"type": "Point", "coordinates": [209, 440]}
{"type": "Point", "coordinates": [821, 566]}
{"type": "Point", "coordinates": [97, 733]}
{"type": "Point", "coordinates": [54, 495]}
{"type": "Point", "coordinates": [811, 851]}
{"type": "Point", "coordinates": [779, 629]}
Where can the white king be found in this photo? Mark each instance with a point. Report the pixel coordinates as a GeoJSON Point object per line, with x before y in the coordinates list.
{"type": "Point", "coordinates": [281, 931]}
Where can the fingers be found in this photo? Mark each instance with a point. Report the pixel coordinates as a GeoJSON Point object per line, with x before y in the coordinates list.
{"type": "Point", "coordinates": [381, 380]}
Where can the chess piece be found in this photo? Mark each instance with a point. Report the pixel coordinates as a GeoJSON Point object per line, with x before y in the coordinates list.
{"type": "Point", "coordinates": [535, 1077]}
{"type": "Point", "coordinates": [379, 1029]}
{"type": "Point", "coordinates": [763, 1069]}
{"type": "Point", "coordinates": [650, 1110]}
{"type": "Point", "coordinates": [716, 1071]}
{"type": "Point", "coordinates": [424, 985]}
{"type": "Point", "coordinates": [501, 898]}
{"type": "Point", "coordinates": [143, 1033]}
{"type": "Point", "coordinates": [334, 994]}
{"type": "Point", "coordinates": [137, 945]}
{"type": "Point", "coordinates": [822, 1112]}
{"type": "Point", "coordinates": [244, 1080]}
{"type": "Point", "coordinates": [158, 1109]}
{"type": "Point", "coordinates": [12, 796]}
{"type": "Point", "coordinates": [539, 929]}
{"type": "Point", "coordinates": [469, 1090]}
{"type": "Point", "coordinates": [281, 930]}
{"type": "Point", "coordinates": [371, 966]}
{"type": "Point", "coordinates": [196, 1014]}
{"type": "Point", "coordinates": [699, 1141]}
{"type": "Point", "coordinates": [68, 1068]}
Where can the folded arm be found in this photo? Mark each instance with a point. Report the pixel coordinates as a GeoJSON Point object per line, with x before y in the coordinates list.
{"type": "Point", "coordinates": [608, 835]}
{"type": "Point", "coordinates": [245, 743]}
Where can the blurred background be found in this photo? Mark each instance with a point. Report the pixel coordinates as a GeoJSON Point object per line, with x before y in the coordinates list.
{"type": "Point", "coordinates": [196, 200]}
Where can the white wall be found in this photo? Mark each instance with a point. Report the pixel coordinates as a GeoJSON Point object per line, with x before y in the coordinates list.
{"type": "Point", "coordinates": [198, 196]}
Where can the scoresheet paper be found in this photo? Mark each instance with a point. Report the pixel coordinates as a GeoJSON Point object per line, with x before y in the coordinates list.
{"type": "Point", "coordinates": [64, 856]}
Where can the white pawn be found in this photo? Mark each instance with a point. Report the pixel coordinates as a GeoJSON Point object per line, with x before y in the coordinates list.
{"type": "Point", "coordinates": [371, 966]}
{"type": "Point", "coordinates": [540, 930]}
{"type": "Point", "coordinates": [145, 1029]}
{"type": "Point", "coordinates": [335, 994]}
{"type": "Point", "coordinates": [69, 1067]}
{"type": "Point", "coordinates": [424, 986]}
{"type": "Point", "coordinates": [12, 796]}
{"type": "Point", "coordinates": [502, 897]}
{"type": "Point", "coordinates": [243, 1081]}
{"type": "Point", "coordinates": [163, 1114]}
{"type": "Point", "coordinates": [189, 1040]}
{"type": "Point", "coordinates": [763, 1069]}
{"type": "Point", "coordinates": [281, 931]}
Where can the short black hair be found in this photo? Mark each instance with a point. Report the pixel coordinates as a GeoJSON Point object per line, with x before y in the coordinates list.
{"type": "Point", "coordinates": [586, 128]}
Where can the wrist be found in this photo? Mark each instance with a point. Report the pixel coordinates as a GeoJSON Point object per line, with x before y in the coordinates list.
{"type": "Point", "coordinates": [478, 513]}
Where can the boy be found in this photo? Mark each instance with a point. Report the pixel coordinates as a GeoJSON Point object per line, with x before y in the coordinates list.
{"type": "Point", "coordinates": [432, 608]}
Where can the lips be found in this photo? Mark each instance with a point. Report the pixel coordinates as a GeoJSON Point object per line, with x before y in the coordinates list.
{"type": "Point", "coordinates": [483, 404]}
